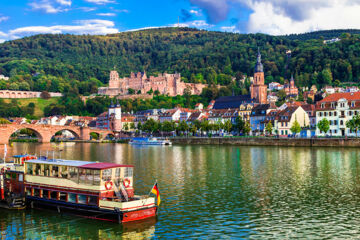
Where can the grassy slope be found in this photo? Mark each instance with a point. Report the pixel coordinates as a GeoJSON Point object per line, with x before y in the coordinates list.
{"type": "Point", "coordinates": [40, 104]}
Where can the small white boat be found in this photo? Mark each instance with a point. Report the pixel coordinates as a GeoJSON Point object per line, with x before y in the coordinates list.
{"type": "Point", "coordinates": [149, 141]}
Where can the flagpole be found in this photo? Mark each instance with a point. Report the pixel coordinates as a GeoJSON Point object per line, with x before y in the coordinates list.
{"type": "Point", "coordinates": [152, 187]}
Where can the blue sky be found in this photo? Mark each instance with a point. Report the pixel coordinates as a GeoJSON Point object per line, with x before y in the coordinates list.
{"type": "Point", "coordinates": [19, 18]}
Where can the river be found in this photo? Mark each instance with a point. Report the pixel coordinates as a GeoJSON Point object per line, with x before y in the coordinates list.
{"type": "Point", "coordinates": [215, 192]}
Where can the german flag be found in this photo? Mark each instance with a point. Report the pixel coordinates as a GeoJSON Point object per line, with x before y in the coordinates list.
{"type": "Point", "coordinates": [155, 190]}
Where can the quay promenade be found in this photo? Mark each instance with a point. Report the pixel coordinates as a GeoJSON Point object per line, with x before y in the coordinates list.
{"type": "Point", "coordinates": [268, 141]}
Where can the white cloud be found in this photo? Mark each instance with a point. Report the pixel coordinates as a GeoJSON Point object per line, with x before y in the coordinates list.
{"type": "Point", "coordinates": [2, 40]}
{"type": "Point", "coordinates": [106, 14]}
{"type": "Point", "coordinates": [195, 12]}
{"type": "Point", "coordinates": [50, 6]}
{"type": "Point", "coordinates": [3, 18]}
{"type": "Point", "coordinates": [87, 9]}
{"type": "Point", "coordinates": [100, 2]}
{"type": "Point", "coordinates": [64, 2]}
{"type": "Point", "coordinates": [286, 16]}
{"type": "Point", "coordinates": [196, 24]}
{"type": "Point", "coordinates": [277, 18]}
{"type": "Point", "coordinates": [229, 29]}
{"type": "Point", "coordinates": [92, 26]}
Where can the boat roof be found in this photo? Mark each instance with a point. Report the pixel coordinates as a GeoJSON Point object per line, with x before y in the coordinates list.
{"type": "Point", "coordinates": [103, 165]}
{"type": "Point", "coordinates": [22, 155]}
{"type": "Point", "coordinates": [78, 163]}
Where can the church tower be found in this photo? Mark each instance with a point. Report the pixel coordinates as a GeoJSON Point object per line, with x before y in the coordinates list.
{"type": "Point", "coordinates": [258, 88]}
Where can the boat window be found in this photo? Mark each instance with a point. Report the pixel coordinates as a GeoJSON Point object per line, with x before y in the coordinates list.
{"type": "Point", "coordinates": [37, 169]}
{"type": "Point", "coordinates": [96, 177]}
{"type": "Point", "coordinates": [64, 172]}
{"type": "Point", "coordinates": [45, 194]}
{"type": "Point", "coordinates": [106, 174]}
{"type": "Point", "coordinates": [73, 172]}
{"type": "Point", "coordinates": [128, 172]}
{"type": "Point", "coordinates": [89, 176]}
{"type": "Point", "coordinates": [82, 199]}
{"type": "Point", "coordinates": [82, 176]}
{"type": "Point", "coordinates": [55, 171]}
{"type": "Point", "coordinates": [92, 200]}
{"type": "Point", "coordinates": [47, 170]}
{"type": "Point", "coordinates": [72, 197]}
{"type": "Point", "coordinates": [62, 196]}
{"type": "Point", "coordinates": [28, 191]}
{"type": "Point", "coordinates": [29, 169]}
{"type": "Point", "coordinates": [36, 192]}
{"type": "Point", "coordinates": [21, 177]}
{"type": "Point", "coordinates": [54, 195]}
{"type": "Point", "coordinates": [41, 169]}
{"type": "Point", "coordinates": [117, 172]}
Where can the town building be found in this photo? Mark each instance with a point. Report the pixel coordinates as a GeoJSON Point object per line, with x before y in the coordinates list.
{"type": "Point", "coordinates": [338, 108]}
{"type": "Point", "coordinates": [245, 111]}
{"type": "Point", "coordinates": [143, 116]}
{"type": "Point", "coordinates": [310, 110]}
{"type": "Point", "coordinates": [171, 115]}
{"type": "Point", "coordinates": [231, 102]}
{"type": "Point", "coordinates": [2, 77]}
{"type": "Point", "coordinates": [275, 86]}
{"type": "Point", "coordinates": [258, 89]}
{"type": "Point", "coordinates": [111, 119]}
{"type": "Point", "coordinates": [258, 118]}
{"type": "Point", "coordinates": [285, 119]}
{"type": "Point", "coordinates": [291, 89]}
{"type": "Point", "coordinates": [167, 84]}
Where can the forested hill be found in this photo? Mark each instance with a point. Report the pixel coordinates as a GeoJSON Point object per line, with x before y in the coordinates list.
{"type": "Point", "coordinates": [82, 63]}
{"type": "Point", "coordinates": [324, 35]}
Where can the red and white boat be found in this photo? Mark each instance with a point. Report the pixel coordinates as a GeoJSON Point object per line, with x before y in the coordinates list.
{"type": "Point", "coordinates": [95, 190]}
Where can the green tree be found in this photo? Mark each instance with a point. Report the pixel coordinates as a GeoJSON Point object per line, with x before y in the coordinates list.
{"type": "Point", "coordinates": [4, 121]}
{"type": "Point", "coordinates": [295, 128]}
{"type": "Point", "coordinates": [354, 124]}
{"type": "Point", "coordinates": [324, 125]}
{"type": "Point", "coordinates": [227, 126]}
{"type": "Point", "coordinates": [269, 128]}
{"type": "Point", "coordinates": [247, 128]}
{"type": "Point", "coordinates": [167, 126]}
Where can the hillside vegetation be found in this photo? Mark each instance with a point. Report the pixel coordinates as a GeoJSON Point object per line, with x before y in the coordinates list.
{"type": "Point", "coordinates": [82, 63]}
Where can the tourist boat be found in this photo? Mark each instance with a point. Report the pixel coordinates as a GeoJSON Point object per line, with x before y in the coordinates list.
{"type": "Point", "coordinates": [149, 141]}
{"type": "Point", "coordinates": [95, 190]}
{"type": "Point", "coordinates": [12, 182]}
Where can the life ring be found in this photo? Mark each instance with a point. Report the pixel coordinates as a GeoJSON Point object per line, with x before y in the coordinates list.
{"type": "Point", "coordinates": [126, 183]}
{"type": "Point", "coordinates": [108, 185]}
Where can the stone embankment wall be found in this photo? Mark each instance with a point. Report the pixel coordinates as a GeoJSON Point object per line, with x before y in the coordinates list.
{"type": "Point", "coordinates": [286, 142]}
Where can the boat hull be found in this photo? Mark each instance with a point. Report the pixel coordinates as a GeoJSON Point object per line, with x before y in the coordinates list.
{"type": "Point", "coordinates": [93, 212]}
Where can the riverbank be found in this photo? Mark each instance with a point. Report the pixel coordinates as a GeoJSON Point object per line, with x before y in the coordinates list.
{"type": "Point", "coordinates": [259, 141]}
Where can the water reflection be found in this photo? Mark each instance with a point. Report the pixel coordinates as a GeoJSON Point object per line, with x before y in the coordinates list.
{"type": "Point", "coordinates": [220, 192]}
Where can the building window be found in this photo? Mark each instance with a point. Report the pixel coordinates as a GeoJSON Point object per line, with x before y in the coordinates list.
{"type": "Point", "coordinates": [335, 131]}
{"type": "Point", "coordinates": [325, 114]}
{"type": "Point", "coordinates": [331, 122]}
{"type": "Point", "coordinates": [341, 122]}
{"type": "Point", "coordinates": [335, 114]}
{"type": "Point", "coordinates": [330, 114]}
{"type": "Point", "coordinates": [335, 122]}
{"type": "Point", "coordinates": [352, 104]}
{"type": "Point", "coordinates": [323, 105]}
{"type": "Point", "coordinates": [320, 114]}
{"type": "Point", "coordinates": [350, 113]}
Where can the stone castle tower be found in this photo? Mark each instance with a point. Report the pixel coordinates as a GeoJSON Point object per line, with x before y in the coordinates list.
{"type": "Point", "coordinates": [258, 88]}
{"type": "Point", "coordinates": [114, 113]}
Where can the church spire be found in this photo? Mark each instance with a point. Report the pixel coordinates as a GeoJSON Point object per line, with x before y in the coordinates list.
{"type": "Point", "coordinates": [259, 67]}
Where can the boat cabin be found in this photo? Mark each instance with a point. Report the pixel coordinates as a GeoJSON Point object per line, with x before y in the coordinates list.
{"type": "Point", "coordinates": [78, 181]}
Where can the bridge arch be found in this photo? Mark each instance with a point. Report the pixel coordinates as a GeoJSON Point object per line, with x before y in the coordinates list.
{"type": "Point", "coordinates": [61, 131]}
{"type": "Point", "coordinates": [38, 135]}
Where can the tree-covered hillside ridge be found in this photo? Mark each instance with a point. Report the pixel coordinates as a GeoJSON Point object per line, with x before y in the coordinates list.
{"type": "Point", "coordinates": [82, 63]}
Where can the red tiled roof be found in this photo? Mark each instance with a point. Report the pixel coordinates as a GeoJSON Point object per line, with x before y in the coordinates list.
{"type": "Point", "coordinates": [101, 166]}
{"type": "Point", "coordinates": [336, 96]}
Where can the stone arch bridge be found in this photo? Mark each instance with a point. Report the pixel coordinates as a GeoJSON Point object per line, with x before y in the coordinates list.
{"type": "Point", "coordinates": [46, 132]}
